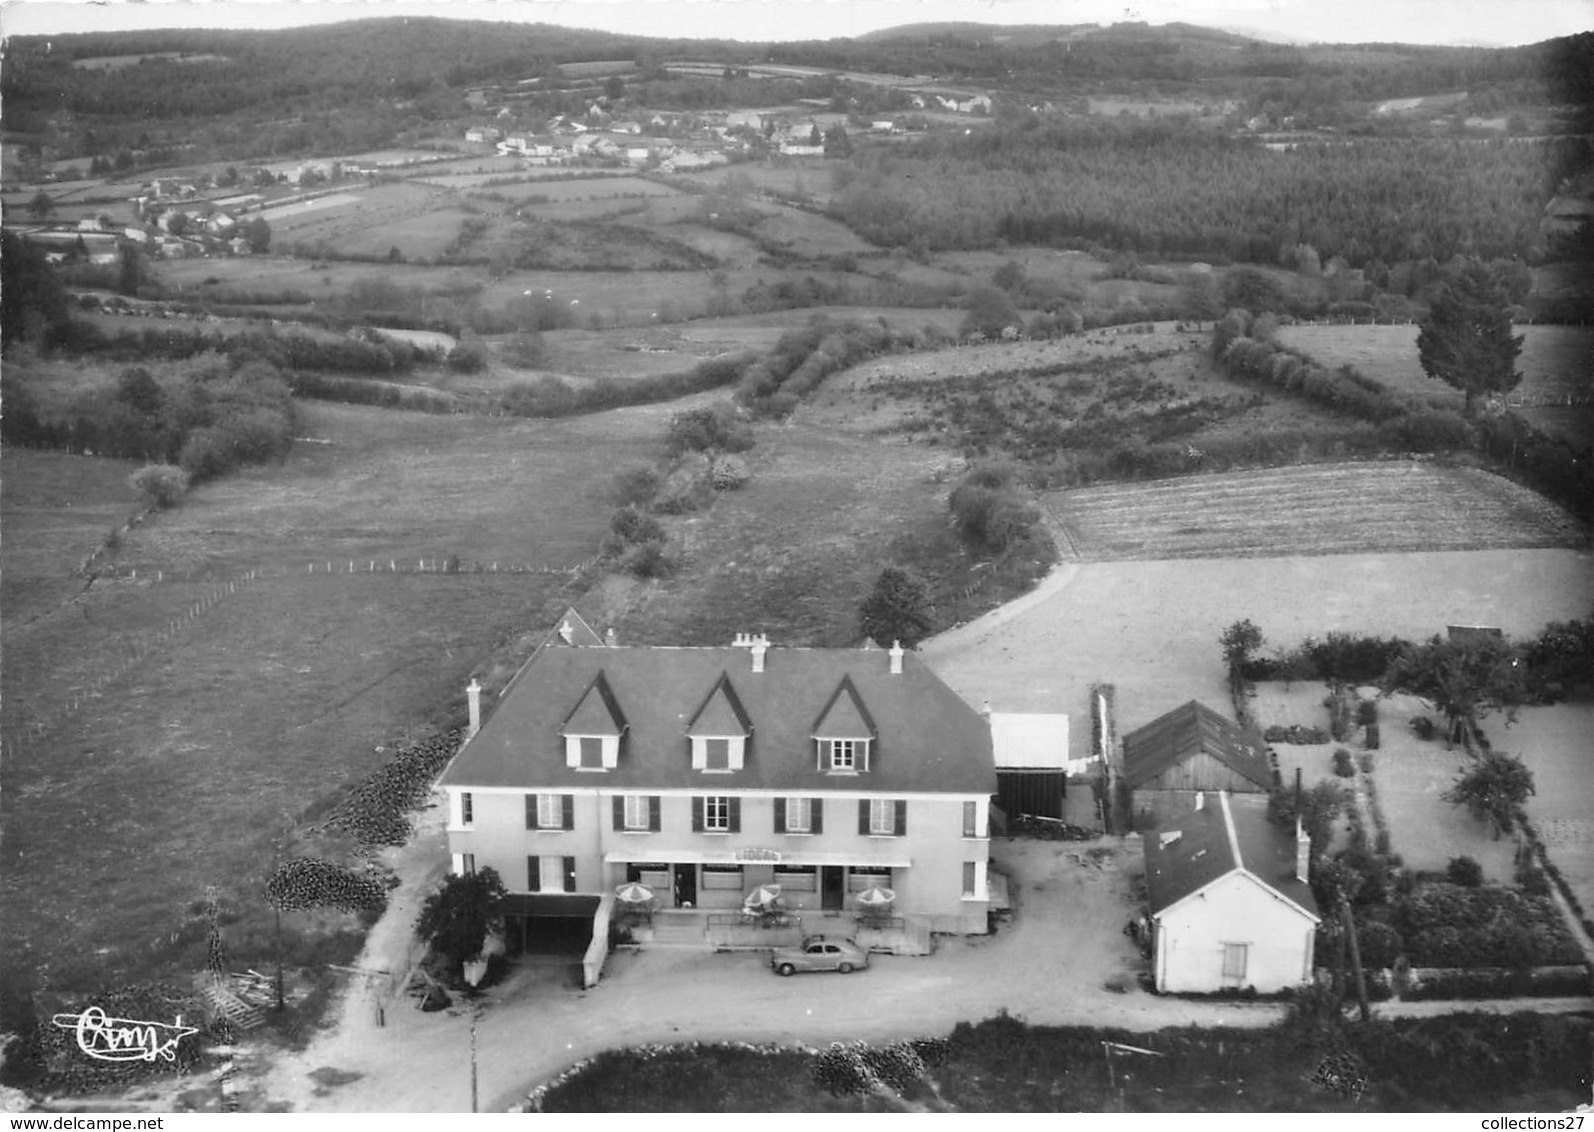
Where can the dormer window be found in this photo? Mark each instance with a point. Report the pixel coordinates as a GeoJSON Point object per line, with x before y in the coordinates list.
{"type": "Point", "coordinates": [846, 756]}
{"type": "Point", "coordinates": [719, 731]}
{"type": "Point", "coordinates": [593, 729]}
{"type": "Point", "coordinates": [844, 733]}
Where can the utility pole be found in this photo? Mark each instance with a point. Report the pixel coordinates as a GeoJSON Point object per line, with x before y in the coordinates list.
{"type": "Point", "coordinates": [1355, 955]}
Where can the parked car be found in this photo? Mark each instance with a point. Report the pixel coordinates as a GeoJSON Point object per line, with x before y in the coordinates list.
{"type": "Point", "coordinates": [819, 953]}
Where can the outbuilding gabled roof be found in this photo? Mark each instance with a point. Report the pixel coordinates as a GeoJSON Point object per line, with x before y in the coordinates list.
{"type": "Point", "coordinates": [1188, 853]}
{"type": "Point", "coordinates": [1191, 730]}
{"type": "Point", "coordinates": [930, 739]}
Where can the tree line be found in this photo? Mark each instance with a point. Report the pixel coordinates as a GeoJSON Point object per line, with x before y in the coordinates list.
{"type": "Point", "coordinates": [1163, 190]}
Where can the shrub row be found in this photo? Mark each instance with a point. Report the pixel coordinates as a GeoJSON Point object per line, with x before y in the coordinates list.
{"type": "Point", "coordinates": [285, 351]}
{"type": "Point", "coordinates": [1447, 925]}
{"type": "Point", "coordinates": [314, 882]}
{"type": "Point", "coordinates": [376, 810]}
{"type": "Point", "coordinates": [551, 397]}
{"type": "Point", "coordinates": [989, 510]}
{"type": "Point", "coordinates": [805, 356]}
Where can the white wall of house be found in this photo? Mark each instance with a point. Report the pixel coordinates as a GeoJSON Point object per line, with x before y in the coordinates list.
{"type": "Point", "coordinates": [931, 885]}
{"type": "Point", "coordinates": [1194, 936]}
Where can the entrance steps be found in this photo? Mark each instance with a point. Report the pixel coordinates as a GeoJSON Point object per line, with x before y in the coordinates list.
{"type": "Point", "coordinates": [679, 929]}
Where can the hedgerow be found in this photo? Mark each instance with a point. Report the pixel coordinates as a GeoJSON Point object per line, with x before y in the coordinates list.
{"type": "Point", "coordinates": [376, 811]}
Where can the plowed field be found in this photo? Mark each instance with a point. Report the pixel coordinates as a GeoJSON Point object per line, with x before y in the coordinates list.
{"type": "Point", "coordinates": [1316, 509]}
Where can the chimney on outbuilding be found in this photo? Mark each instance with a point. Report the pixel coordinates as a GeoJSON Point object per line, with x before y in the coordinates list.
{"type": "Point", "coordinates": [473, 696]}
{"type": "Point", "coordinates": [1303, 852]}
{"type": "Point", "coordinates": [896, 658]}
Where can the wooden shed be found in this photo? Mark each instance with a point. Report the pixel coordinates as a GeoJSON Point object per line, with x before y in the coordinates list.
{"type": "Point", "coordinates": [1031, 752]}
{"type": "Point", "coordinates": [1192, 749]}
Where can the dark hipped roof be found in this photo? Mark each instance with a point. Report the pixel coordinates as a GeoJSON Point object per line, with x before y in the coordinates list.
{"type": "Point", "coordinates": [1203, 851]}
{"type": "Point", "coordinates": [928, 738]}
{"type": "Point", "coordinates": [1191, 730]}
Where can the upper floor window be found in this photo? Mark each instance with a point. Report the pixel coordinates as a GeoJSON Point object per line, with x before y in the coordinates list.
{"type": "Point", "coordinates": [550, 811]}
{"type": "Point", "coordinates": [717, 813]}
{"type": "Point", "coordinates": [883, 817]}
{"type": "Point", "coordinates": [971, 819]}
{"type": "Point", "coordinates": [467, 809]}
{"type": "Point", "coordinates": [637, 813]}
{"type": "Point", "coordinates": [799, 815]}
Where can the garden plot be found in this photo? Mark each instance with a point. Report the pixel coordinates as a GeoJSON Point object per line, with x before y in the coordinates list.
{"type": "Point", "coordinates": [1316, 509]}
{"type": "Point", "coordinates": [1554, 743]}
{"type": "Point", "coordinates": [1411, 775]}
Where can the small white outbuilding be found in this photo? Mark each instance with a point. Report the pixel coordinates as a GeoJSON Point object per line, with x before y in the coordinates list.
{"type": "Point", "coordinates": [1228, 900]}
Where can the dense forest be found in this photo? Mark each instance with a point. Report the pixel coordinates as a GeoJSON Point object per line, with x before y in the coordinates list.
{"type": "Point", "coordinates": [1164, 190]}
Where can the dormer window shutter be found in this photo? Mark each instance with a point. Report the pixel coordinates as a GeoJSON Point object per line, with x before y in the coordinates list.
{"type": "Point", "coordinates": [780, 815]}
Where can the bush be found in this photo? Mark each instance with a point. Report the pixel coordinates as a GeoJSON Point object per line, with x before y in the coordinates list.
{"type": "Point", "coordinates": [161, 485]}
{"type": "Point", "coordinates": [729, 473]}
{"type": "Point", "coordinates": [688, 487]}
{"type": "Point", "coordinates": [634, 526]}
{"type": "Point", "coordinates": [1344, 764]}
{"type": "Point", "coordinates": [648, 560]}
{"type": "Point", "coordinates": [1296, 735]}
{"type": "Point", "coordinates": [1424, 728]}
{"type": "Point", "coordinates": [706, 430]}
{"type": "Point", "coordinates": [1365, 762]}
{"type": "Point", "coordinates": [1464, 871]}
{"type": "Point", "coordinates": [1380, 943]}
{"type": "Point", "coordinates": [635, 487]}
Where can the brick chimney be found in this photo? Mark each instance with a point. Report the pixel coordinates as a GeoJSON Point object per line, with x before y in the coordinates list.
{"type": "Point", "coordinates": [896, 658]}
{"type": "Point", "coordinates": [1303, 852]}
{"type": "Point", "coordinates": [473, 696]}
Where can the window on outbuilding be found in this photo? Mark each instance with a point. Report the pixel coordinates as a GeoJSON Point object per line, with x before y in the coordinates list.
{"type": "Point", "coordinates": [1234, 960]}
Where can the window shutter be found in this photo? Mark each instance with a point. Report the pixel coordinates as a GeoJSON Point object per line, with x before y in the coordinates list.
{"type": "Point", "coordinates": [816, 815]}
{"type": "Point", "coordinates": [654, 817]}
{"type": "Point", "coordinates": [863, 816]}
{"type": "Point", "coordinates": [533, 875]}
{"type": "Point", "coordinates": [619, 812]}
{"type": "Point", "coordinates": [570, 874]}
{"type": "Point", "coordinates": [567, 811]}
{"type": "Point", "coordinates": [819, 754]}
{"type": "Point", "coordinates": [902, 817]}
{"type": "Point", "coordinates": [697, 815]}
{"type": "Point", "coordinates": [736, 814]}
{"type": "Point", "coordinates": [531, 814]}
{"type": "Point", "coordinates": [780, 815]}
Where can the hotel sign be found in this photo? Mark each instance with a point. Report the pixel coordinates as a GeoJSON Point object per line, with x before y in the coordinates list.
{"type": "Point", "coordinates": [758, 856]}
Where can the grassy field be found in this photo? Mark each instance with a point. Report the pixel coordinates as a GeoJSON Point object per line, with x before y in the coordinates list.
{"type": "Point", "coordinates": [794, 551]}
{"type": "Point", "coordinates": [1320, 509]}
{"type": "Point", "coordinates": [194, 763]}
{"type": "Point", "coordinates": [1555, 362]}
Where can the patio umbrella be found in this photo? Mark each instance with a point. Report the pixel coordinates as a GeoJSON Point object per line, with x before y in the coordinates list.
{"type": "Point", "coordinates": [634, 893]}
{"type": "Point", "coordinates": [875, 898]}
{"type": "Point", "coordinates": [764, 896]}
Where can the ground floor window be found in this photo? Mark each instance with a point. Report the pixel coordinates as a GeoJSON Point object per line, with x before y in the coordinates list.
{"type": "Point", "coordinates": [655, 876]}
{"type": "Point", "coordinates": [467, 864]}
{"type": "Point", "coordinates": [861, 877]}
{"type": "Point", "coordinates": [722, 877]}
{"type": "Point", "coordinates": [797, 878]}
{"type": "Point", "coordinates": [1234, 959]}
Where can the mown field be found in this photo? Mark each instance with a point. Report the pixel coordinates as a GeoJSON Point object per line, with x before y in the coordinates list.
{"type": "Point", "coordinates": [1319, 509]}
{"type": "Point", "coordinates": [194, 763]}
{"type": "Point", "coordinates": [1556, 362]}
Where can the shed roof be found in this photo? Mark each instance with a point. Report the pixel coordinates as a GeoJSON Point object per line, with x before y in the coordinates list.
{"type": "Point", "coordinates": [1029, 740]}
{"type": "Point", "coordinates": [1186, 854]}
{"type": "Point", "coordinates": [927, 738]}
{"type": "Point", "coordinates": [1191, 730]}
